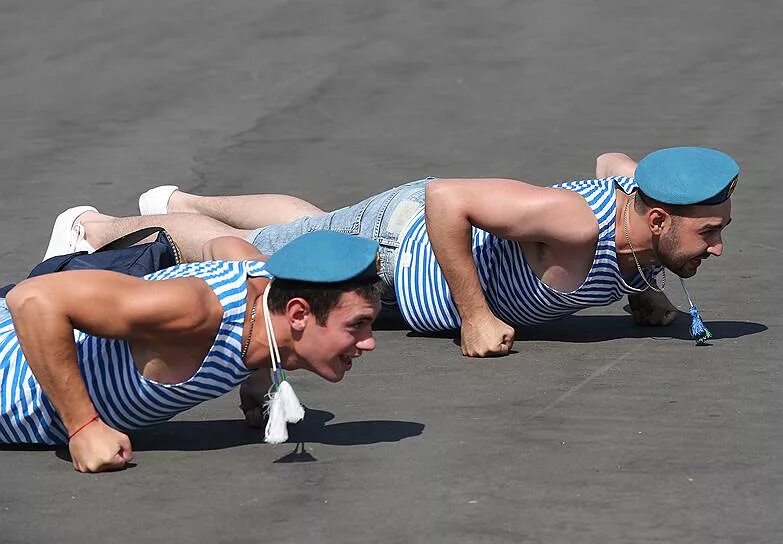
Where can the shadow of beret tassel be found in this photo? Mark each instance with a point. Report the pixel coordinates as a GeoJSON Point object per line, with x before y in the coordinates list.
{"type": "Point", "coordinates": [282, 406]}
{"type": "Point", "coordinates": [699, 331]}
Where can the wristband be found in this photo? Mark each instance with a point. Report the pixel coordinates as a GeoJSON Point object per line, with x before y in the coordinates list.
{"type": "Point", "coordinates": [83, 425]}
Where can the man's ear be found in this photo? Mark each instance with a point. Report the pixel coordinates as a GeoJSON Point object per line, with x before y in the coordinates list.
{"type": "Point", "coordinates": [657, 219]}
{"type": "Point", "coordinates": [298, 312]}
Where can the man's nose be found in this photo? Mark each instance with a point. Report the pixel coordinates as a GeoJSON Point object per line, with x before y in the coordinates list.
{"type": "Point", "coordinates": [367, 344]}
{"type": "Point", "coordinates": [716, 249]}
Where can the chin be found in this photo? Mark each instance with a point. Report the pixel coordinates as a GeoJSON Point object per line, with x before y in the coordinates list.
{"type": "Point", "coordinates": [684, 271]}
{"type": "Point", "coordinates": [332, 376]}
{"type": "Point", "coordinates": [334, 379]}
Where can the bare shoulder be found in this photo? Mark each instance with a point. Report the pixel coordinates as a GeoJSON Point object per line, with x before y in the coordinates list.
{"type": "Point", "coordinates": [516, 210]}
{"type": "Point", "coordinates": [572, 220]}
{"type": "Point", "coordinates": [178, 304]}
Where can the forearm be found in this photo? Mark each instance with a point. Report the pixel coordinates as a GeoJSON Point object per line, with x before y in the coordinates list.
{"type": "Point", "coordinates": [449, 230]}
{"type": "Point", "coordinates": [614, 164]}
{"type": "Point", "coordinates": [45, 335]}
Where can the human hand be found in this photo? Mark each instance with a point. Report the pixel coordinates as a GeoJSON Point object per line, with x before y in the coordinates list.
{"type": "Point", "coordinates": [252, 397]}
{"type": "Point", "coordinates": [652, 309]}
{"type": "Point", "coordinates": [99, 448]}
{"type": "Point", "coordinates": [255, 417]}
{"type": "Point", "coordinates": [486, 336]}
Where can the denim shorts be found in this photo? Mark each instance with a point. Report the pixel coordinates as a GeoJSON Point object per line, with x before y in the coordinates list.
{"type": "Point", "coordinates": [381, 218]}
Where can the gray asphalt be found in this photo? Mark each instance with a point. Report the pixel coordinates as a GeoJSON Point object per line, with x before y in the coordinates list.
{"type": "Point", "coordinates": [593, 431]}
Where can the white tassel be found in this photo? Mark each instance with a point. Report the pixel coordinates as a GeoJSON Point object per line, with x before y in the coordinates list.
{"type": "Point", "coordinates": [291, 406]}
{"type": "Point", "coordinates": [292, 411]}
{"type": "Point", "coordinates": [276, 431]}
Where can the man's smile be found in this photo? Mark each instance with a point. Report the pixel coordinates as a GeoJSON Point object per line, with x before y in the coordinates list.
{"type": "Point", "coordinates": [347, 361]}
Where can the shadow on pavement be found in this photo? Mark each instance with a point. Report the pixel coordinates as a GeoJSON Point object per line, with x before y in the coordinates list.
{"type": "Point", "coordinates": [229, 433]}
{"type": "Point", "coordinates": [313, 428]}
{"type": "Point", "coordinates": [600, 328]}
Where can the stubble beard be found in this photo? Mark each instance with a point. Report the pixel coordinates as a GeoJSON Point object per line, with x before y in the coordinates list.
{"type": "Point", "coordinates": [666, 249]}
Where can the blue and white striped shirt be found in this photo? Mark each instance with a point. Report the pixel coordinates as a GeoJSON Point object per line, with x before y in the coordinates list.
{"type": "Point", "coordinates": [514, 292]}
{"type": "Point", "coordinates": [122, 396]}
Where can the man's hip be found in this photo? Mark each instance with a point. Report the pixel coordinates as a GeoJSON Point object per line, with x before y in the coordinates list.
{"type": "Point", "coordinates": [382, 217]}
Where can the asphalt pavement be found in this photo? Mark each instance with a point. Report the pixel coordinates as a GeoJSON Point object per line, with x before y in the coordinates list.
{"type": "Point", "coordinates": [592, 431]}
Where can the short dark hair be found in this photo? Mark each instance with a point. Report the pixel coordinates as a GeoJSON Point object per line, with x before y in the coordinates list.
{"type": "Point", "coordinates": [644, 203]}
{"type": "Point", "coordinates": [322, 297]}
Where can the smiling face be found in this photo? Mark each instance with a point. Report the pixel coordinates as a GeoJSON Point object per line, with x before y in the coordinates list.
{"type": "Point", "coordinates": [686, 239]}
{"type": "Point", "coordinates": [328, 348]}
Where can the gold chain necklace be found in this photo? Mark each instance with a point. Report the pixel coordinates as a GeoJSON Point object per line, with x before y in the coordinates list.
{"type": "Point", "coordinates": [628, 240]}
{"type": "Point", "coordinates": [250, 332]}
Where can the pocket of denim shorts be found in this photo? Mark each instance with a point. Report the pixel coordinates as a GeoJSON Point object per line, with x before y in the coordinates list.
{"type": "Point", "coordinates": [397, 213]}
{"type": "Point", "coordinates": [347, 220]}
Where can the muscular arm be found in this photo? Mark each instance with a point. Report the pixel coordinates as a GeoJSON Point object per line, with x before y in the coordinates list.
{"type": "Point", "coordinates": [510, 209]}
{"type": "Point", "coordinates": [47, 309]}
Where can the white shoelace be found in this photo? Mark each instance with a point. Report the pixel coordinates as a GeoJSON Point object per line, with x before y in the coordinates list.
{"type": "Point", "coordinates": [78, 240]}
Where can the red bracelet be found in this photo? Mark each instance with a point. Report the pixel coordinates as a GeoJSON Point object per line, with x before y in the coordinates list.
{"type": "Point", "coordinates": [83, 425]}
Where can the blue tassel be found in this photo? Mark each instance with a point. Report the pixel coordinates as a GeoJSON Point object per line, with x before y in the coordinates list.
{"type": "Point", "coordinates": [699, 332]}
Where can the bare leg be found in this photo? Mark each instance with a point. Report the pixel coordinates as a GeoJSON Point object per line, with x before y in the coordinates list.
{"type": "Point", "coordinates": [244, 211]}
{"type": "Point", "coordinates": [189, 231]}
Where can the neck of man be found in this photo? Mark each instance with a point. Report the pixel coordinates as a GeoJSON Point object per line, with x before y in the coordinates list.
{"type": "Point", "coordinates": [259, 354]}
{"type": "Point", "coordinates": [641, 242]}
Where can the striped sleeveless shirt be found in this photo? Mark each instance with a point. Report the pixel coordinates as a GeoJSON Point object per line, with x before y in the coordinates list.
{"type": "Point", "coordinates": [122, 396]}
{"type": "Point", "coordinates": [514, 293]}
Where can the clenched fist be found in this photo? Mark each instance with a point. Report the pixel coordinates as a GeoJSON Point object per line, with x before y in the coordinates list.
{"type": "Point", "coordinates": [100, 448]}
{"type": "Point", "coordinates": [652, 308]}
{"type": "Point", "coordinates": [486, 336]}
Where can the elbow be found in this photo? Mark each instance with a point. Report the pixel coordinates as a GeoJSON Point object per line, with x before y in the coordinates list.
{"type": "Point", "coordinates": [446, 212]}
{"type": "Point", "coordinates": [614, 164]}
{"type": "Point", "coordinates": [16, 297]}
{"type": "Point", "coordinates": [610, 156]}
{"type": "Point", "coordinates": [440, 198]}
{"type": "Point", "coordinates": [23, 297]}
{"type": "Point", "coordinates": [603, 164]}
{"type": "Point", "coordinates": [433, 191]}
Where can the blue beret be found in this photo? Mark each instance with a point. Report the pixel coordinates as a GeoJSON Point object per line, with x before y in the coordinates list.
{"type": "Point", "coordinates": [687, 175]}
{"type": "Point", "coordinates": [325, 257]}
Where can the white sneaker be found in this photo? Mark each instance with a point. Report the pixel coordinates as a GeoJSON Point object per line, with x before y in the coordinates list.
{"type": "Point", "coordinates": [156, 200]}
{"type": "Point", "coordinates": [67, 234]}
